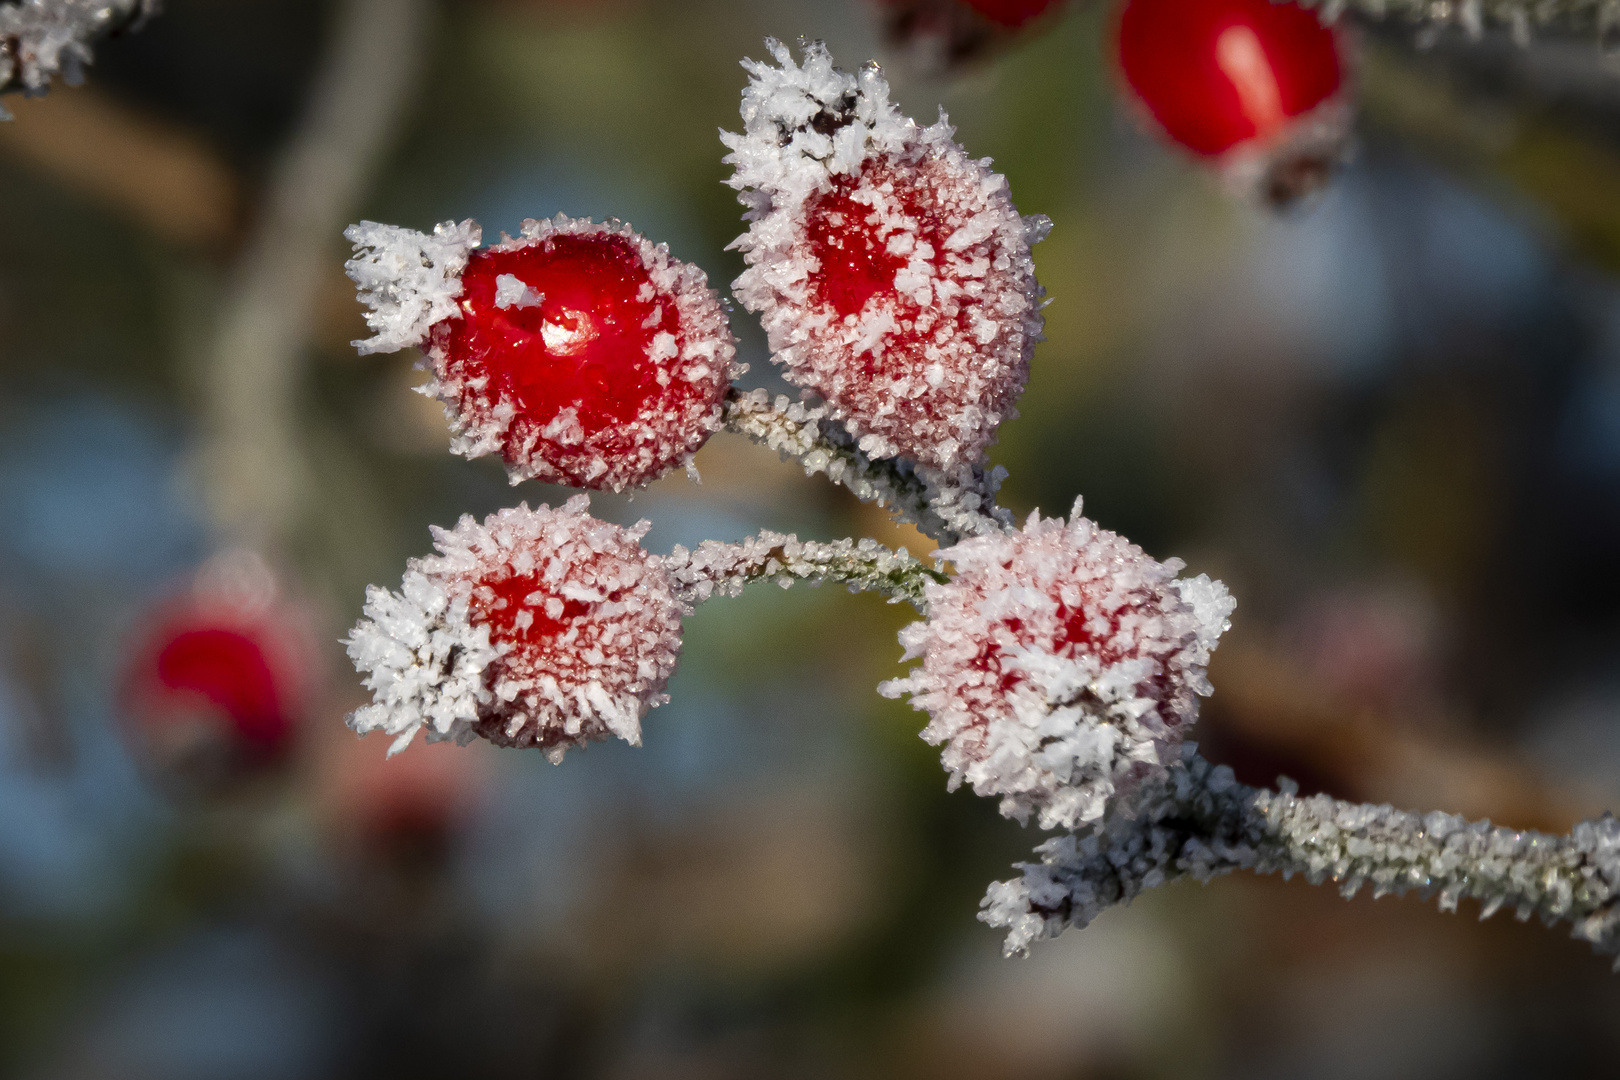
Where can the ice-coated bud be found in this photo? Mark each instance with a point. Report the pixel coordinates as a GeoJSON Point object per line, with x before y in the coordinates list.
{"type": "Point", "coordinates": [1061, 665]}
{"type": "Point", "coordinates": [581, 353]}
{"type": "Point", "coordinates": [891, 270]}
{"type": "Point", "coordinates": [543, 627]}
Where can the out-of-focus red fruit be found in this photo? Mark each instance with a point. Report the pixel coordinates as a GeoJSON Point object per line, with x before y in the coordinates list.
{"type": "Point", "coordinates": [216, 683]}
{"type": "Point", "coordinates": [1257, 86]}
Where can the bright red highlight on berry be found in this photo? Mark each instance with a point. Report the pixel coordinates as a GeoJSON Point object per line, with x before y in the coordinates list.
{"type": "Point", "coordinates": [584, 355]}
{"type": "Point", "coordinates": [229, 669]}
{"type": "Point", "coordinates": [1009, 12]}
{"type": "Point", "coordinates": [1216, 73]}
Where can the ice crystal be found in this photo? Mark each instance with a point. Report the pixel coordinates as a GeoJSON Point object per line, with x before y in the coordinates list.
{"type": "Point", "coordinates": [720, 569]}
{"type": "Point", "coordinates": [891, 270]}
{"type": "Point", "coordinates": [1197, 821]}
{"type": "Point", "coordinates": [583, 354]}
{"type": "Point", "coordinates": [944, 506]}
{"type": "Point", "coordinates": [1061, 664]}
{"type": "Point", "coordinates": [410, 280]}
{"type": "Point", "coordinates": [40, 39]}
{"type": "Point", "coordinates": [543, 627]}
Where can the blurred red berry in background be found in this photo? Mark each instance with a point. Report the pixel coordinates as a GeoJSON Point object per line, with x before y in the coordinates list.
{"type": "Point", "coordinates": [217, 678]}
{"type": "Point", "coordinates": [1255, 82]}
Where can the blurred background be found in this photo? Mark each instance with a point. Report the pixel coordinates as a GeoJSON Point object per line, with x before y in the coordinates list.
{"type": "Point", "coordinates": [1388, 418]}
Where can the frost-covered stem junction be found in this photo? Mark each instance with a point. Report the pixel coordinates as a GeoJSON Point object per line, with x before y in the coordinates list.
{"type": "Point", "coordinates": [1198, 821]}
{"type": "Point", "coordinates": [946, 507]}
{"type": "Point", "coordinates": [716, 568]}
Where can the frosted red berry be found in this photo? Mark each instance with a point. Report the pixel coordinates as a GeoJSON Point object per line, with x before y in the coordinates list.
{"type": "Point", "coordinates": [1061, 664]}
{"type": "Point", "coordinates": [891, 271]}
{"type": "Point", "coordinates": [1239, 78]}
{"type": "Point", "coordinates": [582, 354]}
{"type": "Point", "coordinates": [545, 628]}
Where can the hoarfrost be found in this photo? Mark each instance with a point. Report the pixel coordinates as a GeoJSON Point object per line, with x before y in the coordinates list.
{"type": "Point", "coordinates": [1061, 666]}
{"type": "Point", "coordinates": [543, 627]}
{"type": "Point", "coordinates": [922, 343]}
{"type": "Point", "coordinates": [694, 370]}
{"type": "Point", "coordinates": [1196, 820]}
{"type": "Point", "coordinates": [410, 280]}
{"type": "Point", "coordinates": [40, 39]}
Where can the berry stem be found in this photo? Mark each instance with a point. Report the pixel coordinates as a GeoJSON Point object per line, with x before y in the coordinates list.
{"type": "Point", "coordinates": [945, 507]}
{"type": "Point", "coordinates": [716, 568]}
{"type": "Point", "coordinates": [1198, 821]}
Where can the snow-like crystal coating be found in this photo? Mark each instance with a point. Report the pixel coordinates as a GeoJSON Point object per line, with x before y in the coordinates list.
{"type": "Point", "coordinates": [584, 355]}
{"type": "Point", "coordinates": [410, 280]}
{"type": "Point", "coordinates": [891, 270]}
{"type": "Point", "coordinates": [543, 627]}
{"type": "Point", "coordinates": [1061, 664]}
{"type": "Point", "coordinates": [41, 38]}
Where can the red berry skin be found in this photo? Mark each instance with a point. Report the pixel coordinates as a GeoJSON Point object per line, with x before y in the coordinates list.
{"type": "Point", "coordinates": [213, 691]}
{"type": "Point", "coordinates": [228, 668]}
{"type": "Point", "coordinates": [1010, 13]}
{"type": "Point", "coordinates": [607, 371]}
{"type": "Point", "coordinates": [1219, 73]}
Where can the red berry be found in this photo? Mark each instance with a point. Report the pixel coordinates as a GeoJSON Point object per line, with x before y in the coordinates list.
{"type": "Point", "coordinates": [1251, 80]}
{"type": "Point", "coordinates": [1009, 12]}
{"type": "Point", "coordinates": [229, 669]}
{"type": "Point", "coordinates": [1061, 664]}
{"type": "Point", "coordinates": [543, 627]}
{"type": "Point", "coordinates": [215, 684]}
{"type": "Point", "coordinates": [892, 271]}
{"type": "Point", "coordinates": [583, 355]}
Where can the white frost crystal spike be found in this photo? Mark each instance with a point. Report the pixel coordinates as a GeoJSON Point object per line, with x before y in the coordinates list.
{"type": "Point", "coordinates": [410, 280]}
{"type": "Point", "coordinates": [1061, 666]}
{"type": "Point", "coordinates": [543, 627]}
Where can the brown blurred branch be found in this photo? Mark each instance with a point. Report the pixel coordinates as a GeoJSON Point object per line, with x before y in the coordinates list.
{"type": "Point", "coordinates": [162, 176]}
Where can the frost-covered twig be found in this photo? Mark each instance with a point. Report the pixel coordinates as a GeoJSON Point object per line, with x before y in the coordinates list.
{"type": "Point", "coordinates": [716, 568]}
{"type": "Point", "coordinates": [40, 39]}
{"type": "Point", "coordinates": [945, 507]}
{"type": "Point", "coordinates": [1198, 821]}
{"type": "Point", "coordinates": [1600, 17]}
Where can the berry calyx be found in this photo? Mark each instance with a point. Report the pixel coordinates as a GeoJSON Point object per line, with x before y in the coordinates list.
{"type": "Point", "coordinates": [546, 628]}
{"type": "Point", "coordinates": [1255, 82]}
{"type": "Point", "coordinates": [891, 271]}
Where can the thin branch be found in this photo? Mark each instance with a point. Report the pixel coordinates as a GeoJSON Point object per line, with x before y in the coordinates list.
{"type": "Point", "coordinates": [256, 470]}
{"type": "Point", "coordinates": [1520, 17]}
{"type": "Point", "coordinates": [1198, 821]}
{"type": "Point", "coordinates": [716, 568]}
{"type": "Point", "coordinates": [945, 507]}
